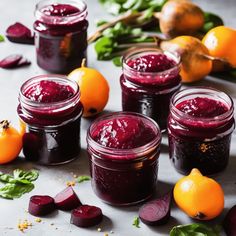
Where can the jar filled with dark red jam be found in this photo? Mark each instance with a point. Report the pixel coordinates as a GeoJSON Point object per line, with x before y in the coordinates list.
{"type": "Point", "coordinates": [123, 149]}
{"type": "Point", "coordinates": [200, 125]}
{"type": "Point", "coordinates": [150, 77]}
{"type": "Point", "coordinates": [60, 34]}
{"type": "Point", "coordinates": [50, 107]}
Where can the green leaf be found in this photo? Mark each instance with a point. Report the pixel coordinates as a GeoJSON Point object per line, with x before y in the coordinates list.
{"type": "Point", "coordinates": [136, 222]}
{"type": "Point", "coordinates": [211, 21]}
{"type": "Point", "coordinates": [31, 175]}
{"type": "Point", "coordinates": [104, 47]}
{"type": "Point", "coordinates": [12, 190]}
{"type": "Point", "coordinates": [194, 230]}
{"type": "Point", "coordinates": [6, 178]}
{"type": "Point", "coordinates": [2, 38]}
{"type": "Point", "coordinates": [117, 61]}
{"type": "Point", "coordinates": [83, 178]}
{"type": "Point", "coordinates": [101, 22]}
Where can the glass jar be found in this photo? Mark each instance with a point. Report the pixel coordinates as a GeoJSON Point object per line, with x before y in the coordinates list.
{"type": "Point", "coordinates": [124, 176]}
{"type": "Point", "coordinates": [53, 127]}
{"type": "Point", "coordinates": [199, 140]}
{"type": "Point", "coordinates": [149, 93]}
{"type": "Point", "coordinates": [60, 34]}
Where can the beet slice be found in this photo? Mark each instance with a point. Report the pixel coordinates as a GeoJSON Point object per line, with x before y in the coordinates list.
{"type": "Point", "coordinates": [23, 62]}
{"type": "Point", "coordinates": [86, 216]}
{"type": "Point", "coordinates": [67, 199]}
{"type": "Point", "coordinates": [41, 205]}
{"type": "Point", "coordinates": [10, 61]}
{"type": "Point", "coordinates": [19, 33]}
{"type": "Point", "coordinates": [156, 212]}
{"type": "Point", "coordinates": [229, 222]}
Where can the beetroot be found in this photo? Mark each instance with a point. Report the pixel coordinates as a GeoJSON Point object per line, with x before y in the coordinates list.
{"type": "Point", "coordinates": [14, 61]}
{"type": "Point", "coordinates": [67, 199]}
{"type": "Point", "coordinates": [229, 222]}
{"type": "Point", "coordinates": [156, 212]}
{"type": "Point", "coordinates": [10, 61]}
{"type": "Point", "coordinates": [18, 33]}
{"type": "Point", "coordinates": [86, 216]}
{"type": "Point", "coordinates": [41, 205]}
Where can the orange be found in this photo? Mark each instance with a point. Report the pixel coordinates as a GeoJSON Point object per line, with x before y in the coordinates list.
{"type": "Point", "coordinates": [194, 65]}
{"type": "Point", "coordinates": [220, 42]}
{"type": "Point", "coordinates": [10, 142]}
{"type": "Point", "coordinates": [94, 89]}
{"type": "Point", "coordinates": [198, 196]}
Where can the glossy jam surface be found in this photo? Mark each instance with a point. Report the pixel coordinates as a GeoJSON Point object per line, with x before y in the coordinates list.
{"type": "Point", "coordinates": [60, 10]}
{"type": "Point", "coordinates": [202, 142]}
{"type": "Point", "coordinates": [60, 45]}
{"type": "Point", "coordinates": [152, 63]}
{"type": "Point", "coordinates": [202, 107]}
{"type": "Point", "coordinates": [123, 133]}
{"type": "Point", "coordinates": [49, 91]}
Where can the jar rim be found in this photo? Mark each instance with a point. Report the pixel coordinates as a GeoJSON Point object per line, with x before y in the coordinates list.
{"type": "Point", "coordinates": [61, 20]}
{"type": "Point", "coordinates": [134, 151]}
{"type": "Point", "coordinates": [202, 90]}
{"type": "Point", "coordinates": [174, 56]}
{"type": "Point", "coordinates": [49, 77]}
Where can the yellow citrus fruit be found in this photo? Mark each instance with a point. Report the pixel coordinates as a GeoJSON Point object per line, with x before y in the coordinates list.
{"type": "Point", "coordinates": [198, 196]}
{"type": "Point", "coordinates": [94, 89]}
{"type": "Point", "coordinates": [220, 42]}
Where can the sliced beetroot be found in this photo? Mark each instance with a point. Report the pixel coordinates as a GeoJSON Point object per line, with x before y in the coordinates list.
{"type": "Point", "coordinates": [156, 212]}
{"type": "Point", "coordinates": [229, 222]}
{"type": "Point", "coordinates": [41, 205]}
{"type": "Point", "coordinates": [19, 33]}
{"type": "Point", "coordinates": [23, 62]}
{"type": "Point", "coordinates": [86, 216]}
{"type": "Point", "coordinates": [10, 61]}
{"type": "Point", "coordinates": [67, 199]}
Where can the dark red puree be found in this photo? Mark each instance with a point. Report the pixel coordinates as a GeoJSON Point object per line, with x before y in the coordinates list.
{"type": "Point", "coordinates": [60, 35]}
{"type": "Point", "coordinates": [202, 107]}
{"type": "Point", "coordinates": [49, 91]}
{"type": "Point", "coordinates": [50, 106]}
{"type": "Point", "coordinates": [148, 82]}
{"type": "Point", "coordinates": [123, 133]}
{"type": "Point", "coordinates": [199, 137]}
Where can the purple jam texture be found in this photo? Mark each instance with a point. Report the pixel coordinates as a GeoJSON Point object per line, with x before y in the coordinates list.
{"type": "Point", "coordinates": [152, 63]}
{"type": "Point", "coordinates": [48, 92]}
{"type": "Point", "coordinates": [123, 133]}
{"type": "Point", "coordinates": [202, 107]}
{"type": "Point", "coordinates": [60, 10]}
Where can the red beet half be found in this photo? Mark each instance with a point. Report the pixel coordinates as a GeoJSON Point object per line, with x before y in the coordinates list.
{"type": "Point", "coordinates": [67, 199]}
{"type": "Point", "coordinates": [156, 212]}
{"type": "Point", "coordinates": [18, 33]}
{"type": "Point", "coordinates": [41, 205]}
{"type": "Point", "coordinates": [10, 61]}
{"type": "Point", "coordinates": [229, 222]}
{"type": "Point", "coordinates": [86, 216]}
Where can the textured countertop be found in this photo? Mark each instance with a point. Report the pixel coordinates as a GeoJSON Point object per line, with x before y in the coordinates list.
{"type": "Point", "coordinates": [53, 179]}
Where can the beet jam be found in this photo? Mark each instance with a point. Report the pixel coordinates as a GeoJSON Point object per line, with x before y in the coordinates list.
{"type": "Point", "coordinates": [124, 148]}
{"type": "Point", "coordinates": [50, 106]}
{"type": "Point", "coordinates": [150, 78]}
{"type": "Point", "coordinates": [200, 125]}
{"type": "Point", "coordinates": [60, 34]}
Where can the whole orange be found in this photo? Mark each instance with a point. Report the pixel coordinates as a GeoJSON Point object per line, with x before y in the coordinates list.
{"type": "Point", "coordinates": [198, 196]}
{"type": "Point", "coordinates": [220, 42]}
{"type": "Point", "coordinates": [94, 89]}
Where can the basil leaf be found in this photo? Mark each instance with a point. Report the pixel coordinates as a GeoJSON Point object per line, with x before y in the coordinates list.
{"type": "Point", "coordinates": [2, 38]}
{"type": "Point", "coordinates": [31, 175]}
{"type": "Point", "coordinates": [194, 230]}
{"type": "Point", "coordinates": [83, 178]}
{"type": "Point", "coordinates": [136, 222]}
{"type": "Point", "coordinates": [6, 178]}
{"type": "Point", "coordinates": [11, 190]}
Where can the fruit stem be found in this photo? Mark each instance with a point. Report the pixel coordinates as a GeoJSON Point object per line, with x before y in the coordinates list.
{"type": "Point", "coordinates": [4, 124]}
{"type": "Point", "coordinates": [195, 171]}
{"type": "Point", "coordinates": [83, 64]}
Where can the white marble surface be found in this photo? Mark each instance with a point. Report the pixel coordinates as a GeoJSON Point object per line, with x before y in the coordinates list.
{"type": "Point", "coordinates": [53, 179]}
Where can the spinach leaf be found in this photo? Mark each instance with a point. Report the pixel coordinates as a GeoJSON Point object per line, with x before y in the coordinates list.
{"type": "Point", "coordinates": [18, 184]}
{"type": "Point", "coordinates": [194, 230]}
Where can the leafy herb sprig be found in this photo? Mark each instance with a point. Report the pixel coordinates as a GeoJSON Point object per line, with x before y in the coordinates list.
{"type": "Point", "coordinates": [136, 222]}
{"type": "Point", "coordinates": [18, 183]}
